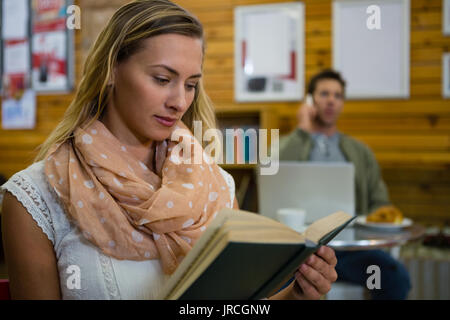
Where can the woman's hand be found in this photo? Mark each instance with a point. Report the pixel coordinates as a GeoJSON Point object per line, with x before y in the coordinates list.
{"type": "Point", "coordinates": [313, 279]}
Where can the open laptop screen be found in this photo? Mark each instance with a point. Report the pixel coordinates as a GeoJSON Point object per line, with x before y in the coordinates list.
{"type": "Point", "coordinates": [320, 188]}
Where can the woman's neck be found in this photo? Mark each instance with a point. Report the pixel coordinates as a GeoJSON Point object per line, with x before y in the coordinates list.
{"type": "Point", "coordinates": [142, 149]}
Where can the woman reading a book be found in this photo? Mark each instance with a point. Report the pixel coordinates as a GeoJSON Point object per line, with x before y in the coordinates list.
{"type": "Point", "coordinates": [108, 210]}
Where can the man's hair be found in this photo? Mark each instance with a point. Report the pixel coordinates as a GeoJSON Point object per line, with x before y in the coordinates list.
{"type": "Point", "coordinates": [326, 74]}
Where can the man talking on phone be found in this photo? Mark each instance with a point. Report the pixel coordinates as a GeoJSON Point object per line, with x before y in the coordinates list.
{"type": "Point", "coordinates": [317, 138]}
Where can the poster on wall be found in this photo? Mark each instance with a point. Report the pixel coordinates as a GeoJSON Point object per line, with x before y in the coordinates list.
{"type": "Point", "coordinates": [18, 103]}
{"type": "Point", "coordinates": [269, 52]}
{"type": "Point", "coordinates": [18, 99]}
{"type": "Point", "coordinates": [51, 47]}
{"type": "Point", "coordinates": [14, 24]}
{"type": "Point", "coordinates": [14, 19]}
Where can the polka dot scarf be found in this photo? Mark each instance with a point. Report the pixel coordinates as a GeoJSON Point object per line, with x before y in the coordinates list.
{"type": "Point", "coordinates": [126, 209]}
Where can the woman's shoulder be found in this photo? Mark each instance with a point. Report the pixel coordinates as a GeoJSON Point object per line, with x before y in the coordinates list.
{"type": "Point", "coordinates": [29, 186]}
{"type": "Point", "coordinates": [32, 180]}
{"type": "Point", "coordinates": [228, 177]}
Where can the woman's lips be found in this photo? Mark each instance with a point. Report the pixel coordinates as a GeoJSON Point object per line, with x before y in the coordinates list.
{"type": "Point", "coordinates": [168, 122]}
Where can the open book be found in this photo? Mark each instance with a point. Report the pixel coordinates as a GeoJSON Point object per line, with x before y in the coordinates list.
{"type": "Point", "coordinates": [243, 255]}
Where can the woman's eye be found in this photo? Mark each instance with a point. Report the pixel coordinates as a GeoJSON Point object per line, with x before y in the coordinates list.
{"type": "Point", "coordinates": [191, 86]}
{"type": "Point", "coordinates": [161, 81]}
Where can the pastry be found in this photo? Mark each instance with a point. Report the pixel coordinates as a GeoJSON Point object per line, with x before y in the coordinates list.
{"type": "Point", "coordinates": [386, 214]}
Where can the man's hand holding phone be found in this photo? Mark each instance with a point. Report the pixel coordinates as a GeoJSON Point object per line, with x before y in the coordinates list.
{"type": "Point", "coordinates": [306, 114]}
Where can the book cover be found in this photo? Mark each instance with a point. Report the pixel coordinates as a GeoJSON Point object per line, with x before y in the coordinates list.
{"type": "Point", "coordinates": [243, 255]}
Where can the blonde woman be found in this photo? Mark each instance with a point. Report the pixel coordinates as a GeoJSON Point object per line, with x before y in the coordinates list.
{"type": "Point", "coordinates": [106, 200]}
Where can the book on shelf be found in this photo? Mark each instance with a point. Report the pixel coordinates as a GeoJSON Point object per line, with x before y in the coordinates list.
{"type": "Point", "coordinates": [242, 146]}
{"type": "Point", "coordinates": [243, 255]}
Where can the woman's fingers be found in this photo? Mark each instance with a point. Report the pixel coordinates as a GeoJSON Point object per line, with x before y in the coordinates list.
{"type": "Point", "coordinates": [322, 267]}
{"type": "Point", "coordinates": [327, 254]}
{"type": "Point", "coordinates": [321, 284]}
{"type": "Point", "coordinates": [309, 291]}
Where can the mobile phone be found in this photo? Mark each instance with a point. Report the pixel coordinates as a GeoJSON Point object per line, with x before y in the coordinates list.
{"type": "Point", "coordinates": [309, 100]}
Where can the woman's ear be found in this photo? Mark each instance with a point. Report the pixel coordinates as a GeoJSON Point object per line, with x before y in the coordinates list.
{"type": "Point", "coordinates": [112, 76]}
{"type": "Point", "coordinates": [111, 80]}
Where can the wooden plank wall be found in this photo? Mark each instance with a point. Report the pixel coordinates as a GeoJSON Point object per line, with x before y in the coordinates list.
{"type": "Point", "coordinates": [411, 138]}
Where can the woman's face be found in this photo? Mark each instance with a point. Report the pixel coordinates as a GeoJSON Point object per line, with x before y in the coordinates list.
{"type": "Point", "coordinates": [154, 88]}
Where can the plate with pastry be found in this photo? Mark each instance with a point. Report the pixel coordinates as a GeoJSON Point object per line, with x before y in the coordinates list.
{"type": "Point", "coordinates": [385, 217]}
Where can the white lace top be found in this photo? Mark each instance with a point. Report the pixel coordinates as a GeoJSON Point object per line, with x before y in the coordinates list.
{"type": "Point", "coordinates": [101, 277]}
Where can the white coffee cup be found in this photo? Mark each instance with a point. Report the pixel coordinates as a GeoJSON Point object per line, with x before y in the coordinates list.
{"type": "Point", "coordinates": [292, 217]}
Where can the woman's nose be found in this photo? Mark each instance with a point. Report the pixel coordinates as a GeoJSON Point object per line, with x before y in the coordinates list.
{"type": "Point", "coordinates": [177, 99]}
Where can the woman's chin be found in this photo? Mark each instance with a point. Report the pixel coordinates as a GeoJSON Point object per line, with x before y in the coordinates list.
{"type": "Point", "coordinates": [161, 135]}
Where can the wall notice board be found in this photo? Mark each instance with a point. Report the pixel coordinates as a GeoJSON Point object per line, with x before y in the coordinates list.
{"type": "Point", "coordinates": [49, 57]}
{"type": "Point", "coordinates": [373, 60]}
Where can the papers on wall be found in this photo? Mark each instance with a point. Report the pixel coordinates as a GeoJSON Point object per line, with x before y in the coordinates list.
{"type": "Point", "coordinates": [49, 61]}
{"type": "Point", "coordinates": [16, 57]}
{"type": "Point", "coordinates": [268, 33]}
{"type": "Point", "coordinates": [18, 100]}
{"type": "Point", "coordinates": [50, 46]}
{"type": "Point", "coordinates": [19, 112]}
{"type": "Point", "coordinates": [15, 19]}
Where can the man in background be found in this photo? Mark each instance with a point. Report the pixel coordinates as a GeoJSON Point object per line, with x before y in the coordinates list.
{"type": "Point", "coordinates": [317, 138]}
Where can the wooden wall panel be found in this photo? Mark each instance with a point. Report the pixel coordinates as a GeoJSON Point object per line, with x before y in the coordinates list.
{"type": "Point", "coordinates": [410, 137]}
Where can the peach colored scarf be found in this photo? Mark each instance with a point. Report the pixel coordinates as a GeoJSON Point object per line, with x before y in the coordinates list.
{"type": "Point", "coordinates": [127, 210]}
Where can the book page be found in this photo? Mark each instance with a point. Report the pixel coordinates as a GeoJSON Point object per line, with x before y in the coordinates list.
{"type": "Point", "coordinates": [322, 227]}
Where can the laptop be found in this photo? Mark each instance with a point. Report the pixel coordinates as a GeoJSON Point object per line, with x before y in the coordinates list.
{"type": "Point", "coordinates": [320, 188]}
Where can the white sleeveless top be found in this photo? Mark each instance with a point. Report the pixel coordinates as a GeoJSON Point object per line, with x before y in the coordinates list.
{"type": "Point", "coordinates": [101, 277]}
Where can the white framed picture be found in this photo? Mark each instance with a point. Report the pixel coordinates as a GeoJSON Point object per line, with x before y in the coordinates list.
{"type": "Point", "coordinates": [446, 75]}
{"type": "Point", "coordinates": [269, 52]}
{"type": "Point", "coordinates": [371, 41]}
{"type": "Point", "coordinates": [446, 17]}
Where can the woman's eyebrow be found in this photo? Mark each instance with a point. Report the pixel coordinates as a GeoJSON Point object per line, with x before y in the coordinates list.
{"type": "Point", "coordinates": [173, 71]}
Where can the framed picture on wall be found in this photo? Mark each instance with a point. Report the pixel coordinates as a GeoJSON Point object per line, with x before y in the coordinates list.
{"type": "Point", "coordinates": [269, 52]}
{"type": "Point", "coordinates": [371, 41]}
{"type": "Point", "coordinates": [446, 17]}
{"type": "Point", "coordinates": [446, 75]}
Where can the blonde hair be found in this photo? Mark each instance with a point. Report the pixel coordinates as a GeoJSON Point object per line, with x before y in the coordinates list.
{"type": "Point", "coordinates": [121, 38]}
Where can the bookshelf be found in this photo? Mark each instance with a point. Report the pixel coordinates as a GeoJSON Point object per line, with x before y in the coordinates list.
{"type": "Point", "coordinates": [257, 116]}
{"type": "Point", "coordinates": [245, 166]}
